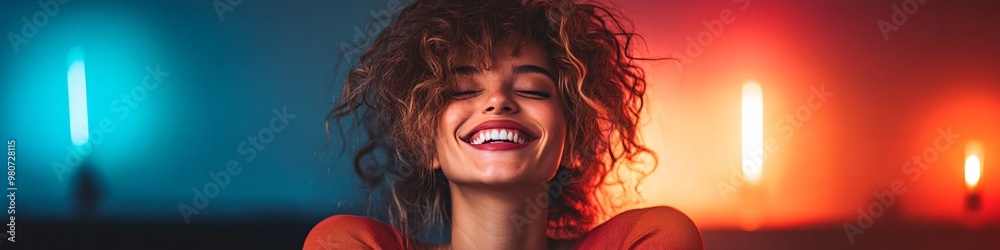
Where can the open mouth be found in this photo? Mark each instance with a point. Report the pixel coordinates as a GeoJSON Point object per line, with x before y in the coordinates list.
{"type": "Point", "coordinates": [499, 131]}
{"type": "Point", "coordinates": [500, 135]}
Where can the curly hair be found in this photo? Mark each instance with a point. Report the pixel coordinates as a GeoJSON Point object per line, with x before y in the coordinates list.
{"type": "Point", "coordinates": [402, 82]}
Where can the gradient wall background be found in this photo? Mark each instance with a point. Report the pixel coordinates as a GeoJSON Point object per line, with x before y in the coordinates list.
{"type": "Point", "coordinates": [890, 96]}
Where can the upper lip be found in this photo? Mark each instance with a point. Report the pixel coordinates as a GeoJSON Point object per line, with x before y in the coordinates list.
{"type": "Point", "coordinates": [509, 124]}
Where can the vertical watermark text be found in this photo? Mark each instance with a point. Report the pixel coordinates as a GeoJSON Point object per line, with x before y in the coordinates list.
{"type": "Point", "coordinates": [11, 189]}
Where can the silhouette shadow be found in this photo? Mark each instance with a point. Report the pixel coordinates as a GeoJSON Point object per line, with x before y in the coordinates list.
{"type": "Point", "coordinates": [87, 192]}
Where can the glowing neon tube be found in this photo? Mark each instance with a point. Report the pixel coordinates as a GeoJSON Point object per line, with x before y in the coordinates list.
{"type": "Point", "coordinates": [77, 79]}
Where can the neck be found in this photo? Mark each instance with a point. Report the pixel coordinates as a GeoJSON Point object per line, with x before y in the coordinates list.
{"type": "Point", "coordinates": [499, 218]}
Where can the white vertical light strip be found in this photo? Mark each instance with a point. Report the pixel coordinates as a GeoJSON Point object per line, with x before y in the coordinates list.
{"type": "Point", "coordinates": [753, 131]}
{"type": "Point", "coordinates": [973, 170]}
{"type": "Point", "coordinates": [77, 79]}
{"type": "Point", "coordinates": [973, 163]}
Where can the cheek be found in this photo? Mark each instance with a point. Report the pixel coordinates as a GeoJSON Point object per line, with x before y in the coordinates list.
{"type": "Point", "coordinates": [450, 119]}
{"type": "Point", "coordinates": [553, 119]}
{"type": "Point", "coordinates": [448, 122]}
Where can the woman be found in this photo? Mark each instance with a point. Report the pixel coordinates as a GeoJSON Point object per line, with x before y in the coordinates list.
{"type": "Point", "coordinates": [502, 119]}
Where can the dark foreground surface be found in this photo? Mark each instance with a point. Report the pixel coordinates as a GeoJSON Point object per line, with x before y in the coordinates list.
{"type": "Point", "coordinates": [291, 237]}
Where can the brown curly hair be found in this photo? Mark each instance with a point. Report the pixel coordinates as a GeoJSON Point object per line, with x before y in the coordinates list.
{"type": "Point", "coordinates": [403, 80]}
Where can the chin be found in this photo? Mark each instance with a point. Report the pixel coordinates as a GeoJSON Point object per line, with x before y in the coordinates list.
{"type": "Point", "coordinates": [502, 174]}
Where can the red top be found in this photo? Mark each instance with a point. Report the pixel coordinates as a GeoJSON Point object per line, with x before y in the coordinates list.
{"type": "Point", "coordinates": [648, 228]}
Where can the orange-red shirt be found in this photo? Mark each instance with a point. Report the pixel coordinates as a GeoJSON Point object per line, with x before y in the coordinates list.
{"type": "Point", "coordinates": [648, 228]}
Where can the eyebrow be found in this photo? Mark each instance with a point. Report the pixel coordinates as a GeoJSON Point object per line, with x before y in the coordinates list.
{"type": "Point", "coordinates": [528, 68]}
{"type": "Point", "coordinates": [519, 69]}
{"type": "Point", "coordinates": [467, 70]}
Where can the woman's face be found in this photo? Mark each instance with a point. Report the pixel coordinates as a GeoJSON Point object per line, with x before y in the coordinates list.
{"type": "Point", "coordinates": [504, 124]}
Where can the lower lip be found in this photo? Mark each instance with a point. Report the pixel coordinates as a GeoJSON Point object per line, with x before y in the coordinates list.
{"type": "Point", "coordinates": [500, 146]}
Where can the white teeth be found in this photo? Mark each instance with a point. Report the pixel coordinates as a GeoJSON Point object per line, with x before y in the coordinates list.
{"type": "Point", "coordinates": [496, 135]}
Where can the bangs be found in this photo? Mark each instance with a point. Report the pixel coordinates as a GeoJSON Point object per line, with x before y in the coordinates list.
{"type": "Point", "coordinates": [487, 30]}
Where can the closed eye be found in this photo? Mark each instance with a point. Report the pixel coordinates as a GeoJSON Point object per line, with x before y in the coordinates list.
{"type": "Point", "coordinates": [536, 93]}
{"type": "Point", "coordinates": [462, 95]}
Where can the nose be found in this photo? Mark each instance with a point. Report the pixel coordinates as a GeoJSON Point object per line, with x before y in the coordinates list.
{"type": "Point", "coordinates": [500, 102]}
